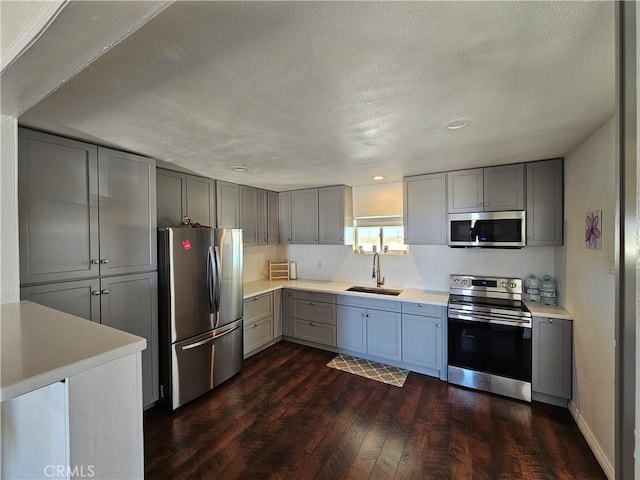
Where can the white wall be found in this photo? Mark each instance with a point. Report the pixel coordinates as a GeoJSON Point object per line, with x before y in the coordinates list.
{"type": "Point", "coordinates": [256, 261]}
{"type": "Point", "coordinates": [9, 266]}
{"type": "Point", "coordinates": [589, 292]}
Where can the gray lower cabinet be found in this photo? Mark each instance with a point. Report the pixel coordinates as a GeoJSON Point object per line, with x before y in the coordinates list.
{"type": "Point", "coordinates": [287, 300]}
{"type": "Point", "coordinates": [304, 216]}
{"type": "Point", "coordinates": [80, 298]}
{"type": "Point", "coordinates": [486, 189]}
{"type": "Point", "coordinates": [248, 214]}
{"type": "Point", "coordinates": [284, 217]}
{"type": "Point", "coordinates": [227, 205]}
{"type": "Point", "coordinates": [422, 335]}
{"type": "Point", "coordinates": [425, 209]}
{"type": "Point", "coordinates": [258, 322]}
{"type": "Point", "coordinates": [179, 195]}
{"type": "Point", "coordinates": [352, 328]}
{"type": "Point", "coordinates": [335, 215]}
{"type": "Point", "coordinates": [545, 202]}
{"type": "Point", "coordinates": [313, 317]}
{"type": "Point", "coordinates": [126, 302]}
{"type": "Point", "coordinates": [551, 357]}
{"type": "Point", "coordinates": [384, 334]}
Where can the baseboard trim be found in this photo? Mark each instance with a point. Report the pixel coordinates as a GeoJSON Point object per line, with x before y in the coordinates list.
{"type": "Point", "coordinates": [609, 470]}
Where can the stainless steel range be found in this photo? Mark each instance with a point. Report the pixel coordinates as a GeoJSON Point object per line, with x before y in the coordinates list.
{"type": "Point", "coordinates": [489, 335]}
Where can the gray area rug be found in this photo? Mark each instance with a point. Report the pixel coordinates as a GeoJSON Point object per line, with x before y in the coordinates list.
{"type": "Point", "coordinates": [366, 368]}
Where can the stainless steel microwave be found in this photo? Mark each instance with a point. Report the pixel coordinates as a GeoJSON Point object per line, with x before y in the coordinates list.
{"type": "Point", "coordinates": [487, 229]}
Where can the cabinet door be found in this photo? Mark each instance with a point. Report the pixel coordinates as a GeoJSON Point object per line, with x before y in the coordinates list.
{"type": "Point", "coordinates": [544, 202]}
{"type": "Point", "coordinates": [257, 334]}
{"type": "Point", "coordinates": [272, 218]}
{"type": "Point", "coordinates": [227, 208]}
{"type": "Point", "coordinates": [304, 216]}
{"type": "Point", "coordinates": [352, 329]}
{"type": "Point", "coordinates": [58, 208]}
{"type": "Point", "coordinates": [201, 200]}
{"type": "Point", "coordinates": [128, 228]}
{"type": "Point", "coordinates": [80, 298]}
{"type": "Point", "coordinates": [171, 197]}
{"type": "Point", "coordinates": [552, 352]}
{"type": "Point", "coordinates": [384, 334]}
{"type": "Point", "coordinates": [335, 215]}
{"type": "Point", "coordinates": [249, 215]}
{"type": "Point", "coordinates": [130, 303]}
{"type": "Point", "coordinates": [465, 191]}
{"type": "Point", "coordinates": [284, 217]}
{"type": "Point", "coordinates": [422, 341]}
{"type": "Point", "coordinates": [277, 313]}
{"type": "Point", "coordinates": [263, 217]}
{"type": "Point", "coordinates": [504, 188]}
{"type": "Point", "coordinates": [287, 300]}
{"type": "Point", "coordinates": [425, 210]}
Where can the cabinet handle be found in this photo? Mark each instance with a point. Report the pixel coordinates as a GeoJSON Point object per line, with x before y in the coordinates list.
{"type": "Point", "coordinates": [551, 320]}
{"type": "Point", "coordinates": [255, 325]}
{"type": "Point", "coordinates": [419, 305]}
{"type": "Point", "coordinates": [362, 314]}
{"type": "Point", "coordinates": [486, 204]}
{"type": "Point", "coordinates": [104, 260]}
{"type": "Point", "coordinates": [368, 315]}
{"type": "Point", "coordinates": [479, 204]}
{"type": "Point", "coordinates": [311, 303]}
{"type": "Point", "coordinates": [95, 292]}
{"type": "Point", "coordinates": [95, 261]}
{"type": "Point", "coordinates": [311, 323]}
{"type": "Point", "coordinates": [255, 299]}
{"type": "Point", "coordinates": [438, 325]}
{"type": "Point", "coordinates": [105, 291]}
{"type": "Point", "coordinates": [342, 239]}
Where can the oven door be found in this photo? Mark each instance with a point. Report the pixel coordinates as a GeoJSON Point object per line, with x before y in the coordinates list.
{"type": "Point", "coordinates": [495, 349]}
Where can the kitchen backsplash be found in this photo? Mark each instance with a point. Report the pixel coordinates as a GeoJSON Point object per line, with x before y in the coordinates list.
{"type": "Point", "coordinates": [426, 267]}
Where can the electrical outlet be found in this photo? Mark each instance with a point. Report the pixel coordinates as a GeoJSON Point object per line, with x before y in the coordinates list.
{"type": "Point", "coordinates": [612, 265]}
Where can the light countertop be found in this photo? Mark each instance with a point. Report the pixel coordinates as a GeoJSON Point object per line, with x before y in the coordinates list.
{"type": "Point", "coordinates": [413, 295]}
{"type": "Point", "coordinates": [41, 346]}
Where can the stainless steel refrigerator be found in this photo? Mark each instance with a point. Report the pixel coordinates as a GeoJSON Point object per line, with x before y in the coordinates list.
{"type": "Point", "coordinates": [201, 310]}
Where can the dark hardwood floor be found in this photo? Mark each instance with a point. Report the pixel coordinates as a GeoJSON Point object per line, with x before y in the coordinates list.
{"type": "Point", "coordinates": [289, 416]}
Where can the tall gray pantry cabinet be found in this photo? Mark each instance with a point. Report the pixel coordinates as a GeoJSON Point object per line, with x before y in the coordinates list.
{"type": "Point", "coordinates": [88, 236]}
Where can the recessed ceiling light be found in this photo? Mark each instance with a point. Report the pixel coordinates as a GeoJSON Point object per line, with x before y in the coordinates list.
{"type": "Point", "coordinates": [457, 124]}
{"type": "Point", "coordinates": [378, 177]}
{"type": "Point", "coordinates": [239, 168]}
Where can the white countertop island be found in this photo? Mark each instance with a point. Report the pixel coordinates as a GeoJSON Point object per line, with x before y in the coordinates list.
{"type": "Point", "coordinates": [71, 395]}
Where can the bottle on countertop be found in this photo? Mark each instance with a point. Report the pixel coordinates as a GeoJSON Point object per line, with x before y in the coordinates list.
{"type": "Point", "coordinates": [293, 270]}
{"type": "Point", "coordinates": [548, 291]}
{"type": "Point", "coordinates": [532, 288]}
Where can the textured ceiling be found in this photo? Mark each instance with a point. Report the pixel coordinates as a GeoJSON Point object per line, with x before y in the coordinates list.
{"type": "Point", "coordinates": [321, 93]}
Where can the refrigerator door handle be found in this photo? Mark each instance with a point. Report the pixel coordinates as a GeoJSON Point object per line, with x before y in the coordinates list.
{"type": "Point", "coordinates": [216, 274]}
{"type": "Point", "coordinates": [209, 340]}
{"type": "Point", "coordinates": [211, 280]}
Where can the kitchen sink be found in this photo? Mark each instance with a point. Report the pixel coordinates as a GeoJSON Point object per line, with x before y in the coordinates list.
{"type": "Point", "coordinates": [380, 291]}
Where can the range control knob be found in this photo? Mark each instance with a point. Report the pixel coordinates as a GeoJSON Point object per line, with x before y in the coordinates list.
{"type": "Point", "coordinates": [503, 284]}
{"type": "Point", "coordinates": [512, 285]}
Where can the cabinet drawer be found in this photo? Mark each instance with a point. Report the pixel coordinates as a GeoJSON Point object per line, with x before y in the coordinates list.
{"type": "Point", "coordinates": [314, 296]}
{"type": "Point", "coordinates": [258, 307]}
{"type": "Point", "coordinates": [315, 332]}
{"type": "Point", "coordinates": [366, 302]}
{"type": "Point", "coordinates": [257, 334]}
{"type": "Point", "coordinates": [314, 311]}
{"type": "Point", "coordinates": [422, 309]}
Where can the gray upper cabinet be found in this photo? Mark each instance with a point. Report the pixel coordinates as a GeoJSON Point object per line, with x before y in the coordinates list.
{"type": "Point", "coordinates": [504, 188]}
{"type": "Point", "coordinates": [263, 217]}
{"type": "Point", "coordinates": [425, 209]}
{"type": "Point", "coordinates": [180, 195]}
{"type": "Point", "coordinates": [545, 202]}
{"type": "Point", "coordinates": [58, 199]}
{"type": "Point", "coordinates": [486, 189]}
{"type": "Point", "coordinates": [304, 216]}
{"type": "Point", "coordinates": [465, 191]}
{"type": "Point", "coordinates": [335, 215]}
{"type": "Point", "coordinates": [249, 214]}
{"type": "Point", "coordinates": [201, 200]}
{"type": "Point", "coordinates": [127, 206]}
{"type": "Point", "coordinates": [284, 217]}
{"type": "Point", "coordinates": [273, 208]}
{"type": "Point", "coordinates": [171, 197]}
{"type": "Point", "coordinates": [227, 205]}
{"type": "Point", "coordinates": [551, 356]}
{"type": "Point", "coordinates": [84, 210]}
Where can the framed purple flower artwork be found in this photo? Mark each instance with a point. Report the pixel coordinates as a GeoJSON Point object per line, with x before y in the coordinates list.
{"type": "Point", "coordinates": [593, 230]}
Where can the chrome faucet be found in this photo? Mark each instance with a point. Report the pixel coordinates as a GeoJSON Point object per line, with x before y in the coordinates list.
{"type": "Point", "coordinates": [376, 270]}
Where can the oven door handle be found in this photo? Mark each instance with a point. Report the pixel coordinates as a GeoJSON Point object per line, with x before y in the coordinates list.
{"type": "Point", "coordinates": [488, 319]}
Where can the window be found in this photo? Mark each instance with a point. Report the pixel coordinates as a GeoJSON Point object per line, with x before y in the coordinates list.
{"type": "Point", "coordinates": [379, 234]}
